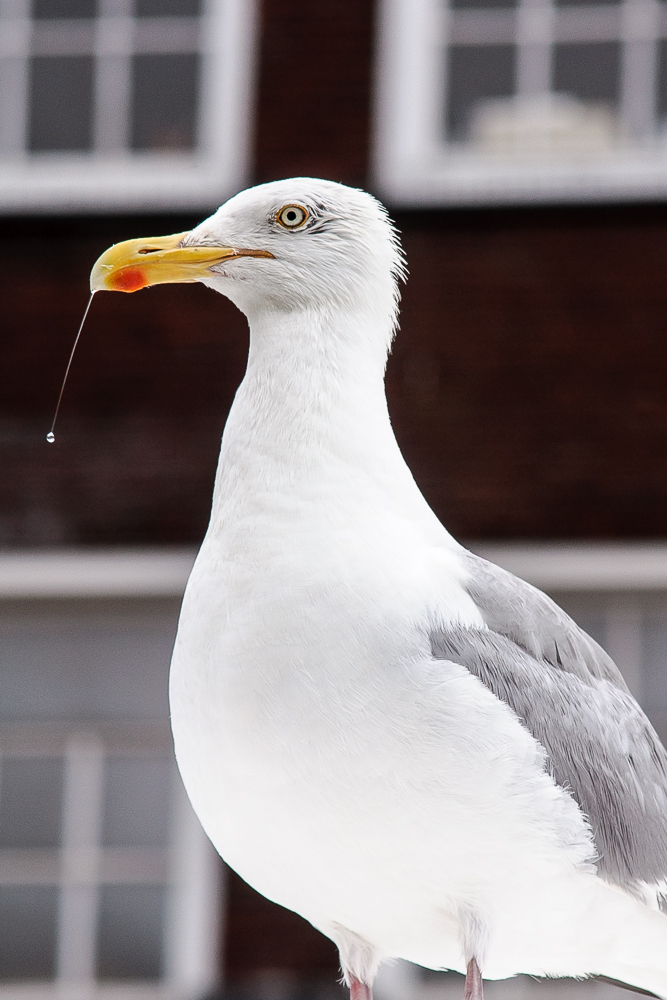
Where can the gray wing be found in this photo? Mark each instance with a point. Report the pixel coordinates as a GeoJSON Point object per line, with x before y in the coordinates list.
{"type": "Point", "coordinates": [572, 698]}
{"type": "Point", "coordinates": [533, 621]}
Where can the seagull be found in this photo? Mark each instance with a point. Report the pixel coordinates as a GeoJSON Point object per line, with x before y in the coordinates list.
{"type": "Point", "coordinates": [417, 751]}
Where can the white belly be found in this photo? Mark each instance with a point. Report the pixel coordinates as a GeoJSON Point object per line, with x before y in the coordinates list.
{"type": "Point", "coordinates": [351, 779]}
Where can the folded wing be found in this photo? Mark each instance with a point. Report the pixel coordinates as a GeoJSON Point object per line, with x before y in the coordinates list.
{"type": "Point", "coordinates": [572, 698]}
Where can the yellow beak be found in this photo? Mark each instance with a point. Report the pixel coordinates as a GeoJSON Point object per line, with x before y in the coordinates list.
{"type": "Point", "coordinates": [135, 264]}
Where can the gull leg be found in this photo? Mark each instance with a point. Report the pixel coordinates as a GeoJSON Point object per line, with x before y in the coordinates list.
{"type": "Point", "coordinates": [474, 988]}
{"type": "Point", "coordinates": [359, 990]}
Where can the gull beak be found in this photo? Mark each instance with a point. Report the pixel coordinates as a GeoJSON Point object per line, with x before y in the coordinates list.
{"type": "Point", "coordinates": [135, 264]}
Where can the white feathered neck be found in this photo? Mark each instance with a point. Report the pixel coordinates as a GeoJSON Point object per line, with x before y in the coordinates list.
{"type": "Point", "coordinates": [310, 424]}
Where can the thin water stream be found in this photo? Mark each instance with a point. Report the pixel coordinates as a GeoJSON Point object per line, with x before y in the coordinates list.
{"type": "Point", "coordinates": [50, 437]}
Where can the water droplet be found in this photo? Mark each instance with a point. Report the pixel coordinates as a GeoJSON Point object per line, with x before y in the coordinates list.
{"type": "Point", "coordinates": [50, 437]}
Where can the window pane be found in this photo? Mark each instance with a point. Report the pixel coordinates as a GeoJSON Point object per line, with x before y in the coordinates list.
{"type": "Point", "coordinates": [594, 625]}
{"type": "Point", "coordinates": [64, 8]}
{"type": "Point", "coordinates": [130, 932]}
{"type": "Point", "coordinates": [475, 74]}
{"type": "Point", "coordinates": [655, 664]}
{"type": "Point", "coordinates": [589, 71]}
{"type": "Point", "coordinates": [168, 8]}
{"type": "Point", "coordinates": [71, 663]}
{"type": "Point", "coordinates": [61, 103]}
{"type": "Point", "coordinates": [30, 802]}
{"type": "Point", "coordinates": [136, 801]}
{"type": "Point", "coordinates": [164, 101]}
{"type": "Point", "coordinates": [28, 931]}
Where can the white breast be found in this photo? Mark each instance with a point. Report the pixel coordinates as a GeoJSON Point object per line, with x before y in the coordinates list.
{"type": "Point", "coordinates": [323, 749]}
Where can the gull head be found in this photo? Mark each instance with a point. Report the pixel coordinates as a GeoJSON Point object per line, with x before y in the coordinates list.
{"type": "Point", "coordinates": [290, 245]}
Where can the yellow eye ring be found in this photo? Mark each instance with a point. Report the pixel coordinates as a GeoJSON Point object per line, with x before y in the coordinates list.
{"type": "Point", "coordinates": [292, 216]}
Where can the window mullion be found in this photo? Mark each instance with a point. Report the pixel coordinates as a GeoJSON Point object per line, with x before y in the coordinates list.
{"type": "Point", "coordinates": [81, 834]}
{"type": "Point", "coordinates": [113, 50]}
{"type": "Point", "coordinates": [192, 931]}
{"type": "Point", "coordinates": [15, 42]}
{"type": "Point", "coordinates": [534, 37]}
{"type": "Point", "coordinates": [639, 69]}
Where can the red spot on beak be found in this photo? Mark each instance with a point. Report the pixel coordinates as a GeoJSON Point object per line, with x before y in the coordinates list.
{"type": "Point", "coordinates": [130, 279]}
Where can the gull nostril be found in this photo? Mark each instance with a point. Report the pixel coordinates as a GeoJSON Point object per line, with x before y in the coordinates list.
{"type": "Point", "coordinates": [149, 250]}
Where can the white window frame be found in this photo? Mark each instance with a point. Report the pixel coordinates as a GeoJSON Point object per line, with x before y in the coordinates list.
{"type": "Point", "coordinates": [414, 166]}
{"type": "Point", "coordinates": [188, 867]}
{"type": "Point", "coordinates": [111, 178]}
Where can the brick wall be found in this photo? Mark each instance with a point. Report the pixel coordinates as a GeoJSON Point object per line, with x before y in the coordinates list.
{"type": "Point", "coordinates": [528, 385]}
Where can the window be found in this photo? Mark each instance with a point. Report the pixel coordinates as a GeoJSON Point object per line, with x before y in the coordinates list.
{"type": "Point", "coordinates": [497, 101]}
{"type": "Point", "coordinates": [108, 885]}
{"type": "Point", "coordinates": [123, 103]}
{"type": "Point", "coordinates": [96, 836]}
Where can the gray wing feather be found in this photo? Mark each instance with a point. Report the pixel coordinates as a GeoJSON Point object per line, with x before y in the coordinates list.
{"type": "Point", "coordinates": [529, 618]}
{"type": "Point", "coordinates": [572, 698]}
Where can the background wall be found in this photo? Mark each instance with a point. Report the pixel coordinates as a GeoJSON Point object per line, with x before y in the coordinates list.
{"type": "Point", "coordinates": [527, 384]}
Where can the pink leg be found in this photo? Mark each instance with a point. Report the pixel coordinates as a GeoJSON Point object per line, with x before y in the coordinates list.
{"type": "Point", "coordinates": [359, 990]}
{"type": "Point", "coordinates": [474, 988]}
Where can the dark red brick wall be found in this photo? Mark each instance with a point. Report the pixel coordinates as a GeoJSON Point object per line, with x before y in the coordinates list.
{"type": "Point", "coordinates": [262, 936]}
{"type": "Point", "coordinates": [528, 385]}
{"type": "Point", "coordinates": [149, 389]}
{"type": "Point", "coordinates": [314, 95]}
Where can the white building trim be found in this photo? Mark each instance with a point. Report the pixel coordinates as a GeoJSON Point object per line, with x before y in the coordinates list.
{"type": "Point", "coordinates": [99, 573]}
{"type": "Point", "coordinates": [597, 566]}
{"type": "Point", "coordinates": [163, 572]}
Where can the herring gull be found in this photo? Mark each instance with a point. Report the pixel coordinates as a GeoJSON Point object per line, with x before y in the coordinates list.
{"type": "Point", "coordinates": [415, 750]}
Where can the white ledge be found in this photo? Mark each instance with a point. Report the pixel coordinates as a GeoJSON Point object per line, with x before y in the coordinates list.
{"type": "Point", "coordinates": [95, 573]}
{"type": "Point", "coordinates": [163, 572]}
{"type": "Point", "coordinates": [582, 565]}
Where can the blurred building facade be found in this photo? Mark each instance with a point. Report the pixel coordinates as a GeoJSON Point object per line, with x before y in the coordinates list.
{"type": "Point", "coordinates": [519, 146]}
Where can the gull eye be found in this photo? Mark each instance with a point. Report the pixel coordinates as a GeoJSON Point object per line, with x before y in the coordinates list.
{"type": "Point", "coordinates": [292, 216]}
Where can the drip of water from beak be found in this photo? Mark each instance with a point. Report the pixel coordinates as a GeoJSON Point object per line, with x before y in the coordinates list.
{"type": "Point", "coordinates": [50, 437]}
